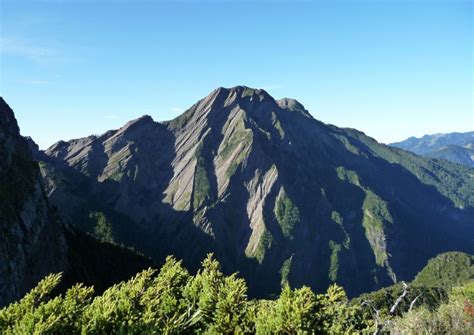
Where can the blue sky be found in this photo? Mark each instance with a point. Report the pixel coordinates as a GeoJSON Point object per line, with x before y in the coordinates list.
{"type": "Point", "coordinates": [392, 69]}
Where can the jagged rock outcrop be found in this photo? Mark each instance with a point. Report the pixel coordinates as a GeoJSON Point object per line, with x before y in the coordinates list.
{"type": "Point", "coordinates": [277, 195]}
{"type": "Point", "coordinates": [32, 244]}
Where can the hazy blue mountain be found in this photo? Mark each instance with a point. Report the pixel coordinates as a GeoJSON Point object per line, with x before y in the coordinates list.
{"type": "Point", "coordinates": [454, 147]}
{"type": "Point", "coordinates": [455, 153]}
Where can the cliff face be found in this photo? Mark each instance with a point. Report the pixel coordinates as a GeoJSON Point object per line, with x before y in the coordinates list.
{"type": "Point", "coordinates": [277, 195]}
{"type": "Point", "coordinates": [31, 241]}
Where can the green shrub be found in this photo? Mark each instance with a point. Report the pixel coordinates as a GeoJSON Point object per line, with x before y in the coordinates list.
{"type": "Point", "coordinates": [453, 317]}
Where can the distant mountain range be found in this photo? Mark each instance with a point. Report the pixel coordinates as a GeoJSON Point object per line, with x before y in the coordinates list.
{"type": "Point", "coordinates": [275, 194]}
{"type": "Point", "coordinates": [454, 147]}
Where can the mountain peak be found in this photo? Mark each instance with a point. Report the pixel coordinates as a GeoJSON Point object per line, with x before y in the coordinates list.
{"type": "Point", "coordinates": [139, 122]}
{"type": "Point", "coordinates": [7, 118]}
{"type": "Point", "coordinates": [242, 91]}
{"type": "Point", "coordinates": [291, 104]}
{"type": "Point", "coordinates": [144, 119]}
{"type": "Point", "coordinates": [219, 100]}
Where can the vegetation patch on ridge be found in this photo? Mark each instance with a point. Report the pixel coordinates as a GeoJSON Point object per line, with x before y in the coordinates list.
{"type": "Point", "coordinates": [102, 228]}
{"type": "Point", "coordinates": [264, 243]}
{"type": "Point", "coordinates": [201, 181]}
{"type": "Point", "coordinates": [376, 215]}
{"type": "Point", "coordinates": [285, 271]}
{"type": "Point", "coordinates": [334, 261]}
{"type": "Point", "coordinates": [287, 214]}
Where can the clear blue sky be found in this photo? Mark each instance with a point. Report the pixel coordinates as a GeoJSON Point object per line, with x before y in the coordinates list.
{"type": "Point", "coordinates": [392, 69]}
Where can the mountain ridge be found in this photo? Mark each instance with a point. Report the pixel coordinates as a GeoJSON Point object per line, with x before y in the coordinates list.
{"type": "Point", "coordinates": [278, 196]}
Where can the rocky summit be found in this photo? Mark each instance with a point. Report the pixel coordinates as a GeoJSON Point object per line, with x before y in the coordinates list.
{"type": "Point", "coordinates": [275, 194]}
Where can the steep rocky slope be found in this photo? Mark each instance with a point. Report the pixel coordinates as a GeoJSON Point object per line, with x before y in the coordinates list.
{"type": "Point", "coordinates": [33, 240]}
{"type": "Point", "coordinates": [277, 195]}
{"type": "Point", "coordinates": [32, 244]}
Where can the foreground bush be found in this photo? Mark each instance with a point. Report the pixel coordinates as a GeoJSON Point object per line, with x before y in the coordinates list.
{"type": "Point", "coordinates": [454, 317]}
{"type": "Point", "coordinates": [172, 301]}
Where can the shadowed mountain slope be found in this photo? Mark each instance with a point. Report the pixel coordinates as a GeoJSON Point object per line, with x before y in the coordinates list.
{"type": "Point", "coordinates": [33, 240]}
{"type": "Point", "coordinates": [32, 245]}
